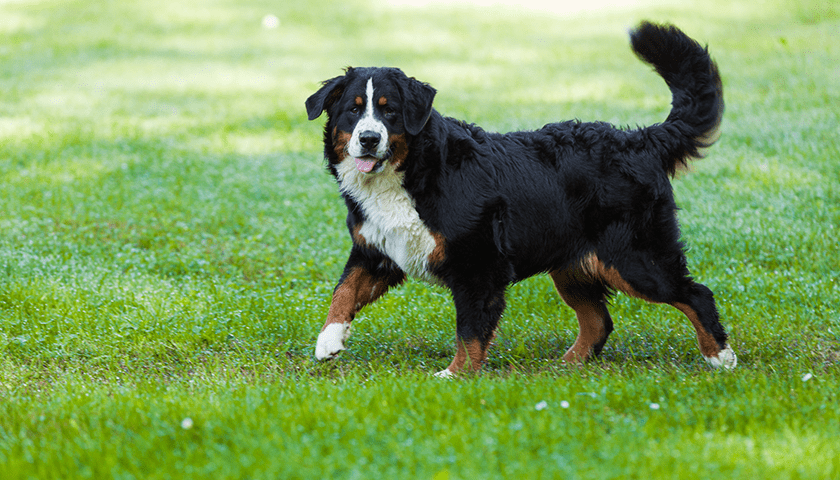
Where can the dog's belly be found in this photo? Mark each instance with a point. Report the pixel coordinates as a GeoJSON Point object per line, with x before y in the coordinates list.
{"type": "Point", "coordinates": [392, 224]}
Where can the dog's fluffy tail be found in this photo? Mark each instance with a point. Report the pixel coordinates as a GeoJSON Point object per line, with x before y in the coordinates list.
{"type": "Point", "coordinates": [697, 106]}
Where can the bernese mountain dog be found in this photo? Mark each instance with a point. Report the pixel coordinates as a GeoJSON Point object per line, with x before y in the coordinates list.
{"type": "Point", "coordinates": [447, 202]}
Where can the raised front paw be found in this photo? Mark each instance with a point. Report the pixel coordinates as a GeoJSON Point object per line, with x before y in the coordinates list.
{"type": "Point", "coordinates": [331, 340]}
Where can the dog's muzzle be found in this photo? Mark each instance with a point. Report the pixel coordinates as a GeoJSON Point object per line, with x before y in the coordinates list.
{"type": "Point", "coordinates": [369, 161]}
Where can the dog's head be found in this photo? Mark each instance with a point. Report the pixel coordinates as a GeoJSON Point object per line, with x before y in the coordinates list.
{"type": "Point", "coordinates": [370, 113]}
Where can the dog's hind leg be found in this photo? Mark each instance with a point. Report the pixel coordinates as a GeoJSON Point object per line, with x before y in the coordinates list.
{"type": "Point", "coordinates": [366, 277]}
{"type": "Point", "coordinates": [698, 304]}
{"type": "Point", "coordinates": [588, 298]}
{"type": "Point", "coordinates": [673, 285]}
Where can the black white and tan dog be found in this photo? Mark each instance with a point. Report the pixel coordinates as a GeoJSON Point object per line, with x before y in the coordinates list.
{"type": "Point", "coordinates": [447, 202]}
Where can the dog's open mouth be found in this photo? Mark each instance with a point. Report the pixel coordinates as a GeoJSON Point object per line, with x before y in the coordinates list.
{"type": "Point", "coordinates": [366, 164]}
{"type": "Point", "coordinates": [371, 164]}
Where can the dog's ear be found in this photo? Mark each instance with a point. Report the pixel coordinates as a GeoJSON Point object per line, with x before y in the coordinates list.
{"type": "Point", "coordinates": [417, 99]}
{"type": "Point", "coordinates": [325, 96]}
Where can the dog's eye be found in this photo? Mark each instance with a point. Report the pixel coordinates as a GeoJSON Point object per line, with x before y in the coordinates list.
{"type": "Point", "coordinates": [356, 110]}
{"type": "Point", "coordinates": [389, 112]}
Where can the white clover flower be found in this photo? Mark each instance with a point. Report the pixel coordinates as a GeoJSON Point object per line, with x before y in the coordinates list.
{"type": "Point", "coordinates": [270, 22]}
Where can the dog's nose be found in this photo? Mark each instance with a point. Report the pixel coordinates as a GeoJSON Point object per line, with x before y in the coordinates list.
{"type": "Point", "coordinates": [369, 139]}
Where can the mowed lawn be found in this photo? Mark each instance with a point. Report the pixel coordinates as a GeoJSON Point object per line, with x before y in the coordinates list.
{"type": "Point", "coordinates": [170, 239]}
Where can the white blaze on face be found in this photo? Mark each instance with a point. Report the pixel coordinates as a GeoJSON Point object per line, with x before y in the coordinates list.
{"type": "Point", "coordinates": [369, 123]}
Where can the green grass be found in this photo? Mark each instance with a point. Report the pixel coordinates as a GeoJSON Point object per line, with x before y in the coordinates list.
{"type": "Point", "coordinates": [169, 241]}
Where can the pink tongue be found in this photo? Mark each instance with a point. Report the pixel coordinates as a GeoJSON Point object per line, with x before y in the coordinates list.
{"type": "Point", "coordinates": [364, 165]}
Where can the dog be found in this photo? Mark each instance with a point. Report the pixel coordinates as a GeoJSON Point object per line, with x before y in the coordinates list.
{"type": "Point", "coordinates": [592, 205]}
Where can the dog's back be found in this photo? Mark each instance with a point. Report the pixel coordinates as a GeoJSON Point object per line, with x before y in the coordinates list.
{"type": "Point", "coordinates": [585, 186]}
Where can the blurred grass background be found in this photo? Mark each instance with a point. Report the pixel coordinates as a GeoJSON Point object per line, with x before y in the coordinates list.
{"type": "Point", "coordinates": [169, 241]}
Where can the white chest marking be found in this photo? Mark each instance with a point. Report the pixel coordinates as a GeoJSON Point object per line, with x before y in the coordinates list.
{"type": "Point", "coordinates": [392, 224]}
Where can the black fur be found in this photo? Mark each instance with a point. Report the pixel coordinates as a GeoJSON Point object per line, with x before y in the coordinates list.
{"type": "Point", "coordinates": [513, 205]}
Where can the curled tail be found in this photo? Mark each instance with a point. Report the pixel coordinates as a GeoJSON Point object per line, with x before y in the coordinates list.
{"type": "Point", "coordinates": [697, 106]}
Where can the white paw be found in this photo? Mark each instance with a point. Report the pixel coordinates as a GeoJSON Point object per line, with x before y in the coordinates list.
{"type": "Point", "coordinates": [445, 374]}
{"type": "Point", "coordinates": [331, 340]}
{"type": "Point", "coordinates": [726, 359]}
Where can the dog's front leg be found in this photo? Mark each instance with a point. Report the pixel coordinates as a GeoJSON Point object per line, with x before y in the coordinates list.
{"type": "Point", "coordinates": [477, 313]}
{"type": "Point", "coordinates": [365, 279]}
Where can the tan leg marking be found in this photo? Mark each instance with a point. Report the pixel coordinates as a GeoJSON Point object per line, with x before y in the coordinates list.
{"type": "Point", "coordinates": [589, 316]}
{"type": "Point", "coordinates": [469, 355]}
{"type": "Point", "coordinates": [707, 343]}
{"type": "Point", "coordinates": [358, 289]}
{"type": "Point", "coordinates": [594, 267]}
